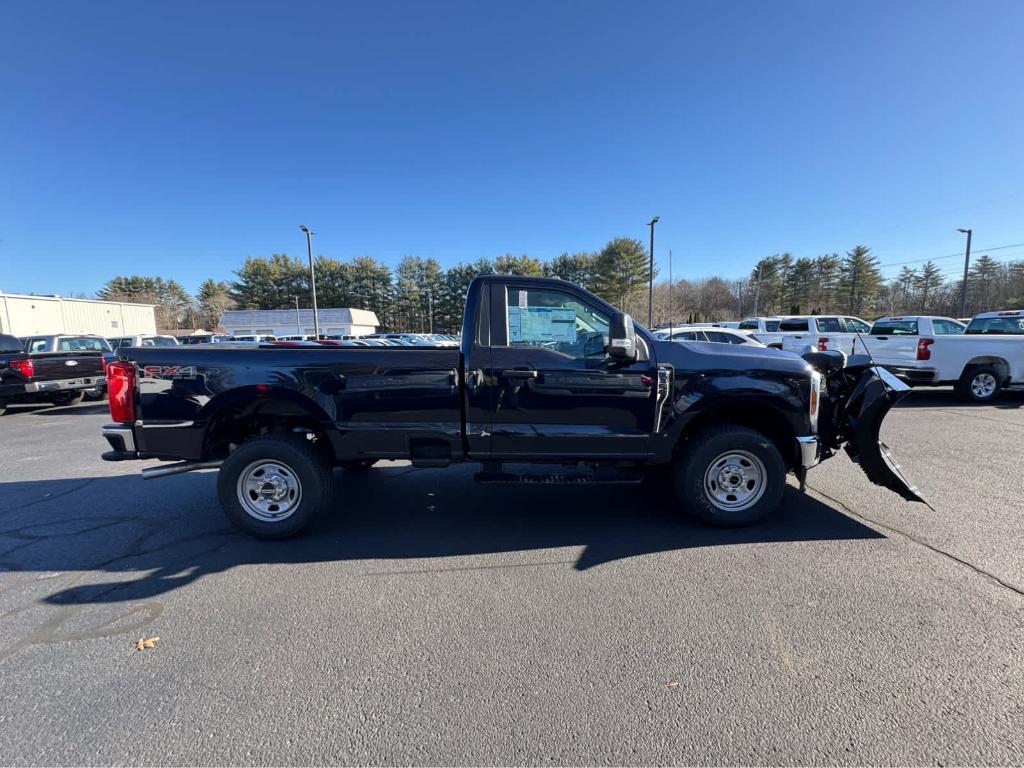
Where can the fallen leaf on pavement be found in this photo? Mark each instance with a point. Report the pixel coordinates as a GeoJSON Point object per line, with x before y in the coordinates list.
{"type": "Point", "coordinates": [146, 643]}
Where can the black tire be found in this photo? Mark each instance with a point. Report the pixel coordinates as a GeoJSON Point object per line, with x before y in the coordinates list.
{"type": "Point", "coordinates": [3, 407]}
{"type": "Point", "coordinates": [980, 384]}
{"type": "Point", "coordinates": [743, 456]}
{"type": "Point", "coordinates": [96, 393]}
{"type": "Point", "coordinates": [357, 465]}
{"type": "Point", "coordinates": [72, 397]}
{"type": "Point", "coordinates": [297, 461]}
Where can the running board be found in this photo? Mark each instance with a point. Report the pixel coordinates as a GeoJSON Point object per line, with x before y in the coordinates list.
{"type": "Point", "coordinates": [557, 478]}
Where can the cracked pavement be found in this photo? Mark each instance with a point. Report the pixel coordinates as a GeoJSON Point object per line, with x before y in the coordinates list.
{"type": "Point", "coordinates": [431, 620]}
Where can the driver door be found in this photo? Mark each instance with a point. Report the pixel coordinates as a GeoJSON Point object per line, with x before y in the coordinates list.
{"type": "Point", "coordinates": [556, 393]}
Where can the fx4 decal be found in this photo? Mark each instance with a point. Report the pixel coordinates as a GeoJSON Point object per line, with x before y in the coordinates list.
{"type": "Point", "coordinates": [169, 372]}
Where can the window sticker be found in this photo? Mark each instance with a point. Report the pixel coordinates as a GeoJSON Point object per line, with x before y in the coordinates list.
{"type": "Point", "coordinates": [541, 324]}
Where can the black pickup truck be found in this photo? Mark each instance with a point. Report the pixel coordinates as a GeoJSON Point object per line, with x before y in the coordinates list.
{"type": "Point", "coordinates": [57, 369]}
{"type": "Point", "coordinates": [547, 373]}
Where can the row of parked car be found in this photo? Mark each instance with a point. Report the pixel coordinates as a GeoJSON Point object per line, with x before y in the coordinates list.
{"type": "Point", "coordinates": [980, 357]}
{"type": "Point", "coordinates": [64, 369]}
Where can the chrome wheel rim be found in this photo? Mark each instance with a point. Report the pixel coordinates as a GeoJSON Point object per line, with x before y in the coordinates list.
{"type": "Point", "coordinates": [735, 480]}
{"type": "Point", "coordinates": [269, 491]}
{"type": "Point", "coordinates": [983, 385]}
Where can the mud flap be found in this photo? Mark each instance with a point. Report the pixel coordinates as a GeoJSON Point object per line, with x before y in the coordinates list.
{"type": "Point", "coordinates": [876, 392]}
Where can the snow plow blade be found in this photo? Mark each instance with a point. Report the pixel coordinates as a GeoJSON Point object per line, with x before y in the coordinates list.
{"type": "Point", "coordinates": [876, 392]}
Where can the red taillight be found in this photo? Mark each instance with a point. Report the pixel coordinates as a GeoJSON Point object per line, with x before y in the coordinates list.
{"type": "Point", "coordinates": [923, 351]}
{"type": "Point", "coordinates": [121, 391]}
{"type": "Point", "coordinates": [24, 366]}
{"type": "Point", "coordinates": [823, 344]}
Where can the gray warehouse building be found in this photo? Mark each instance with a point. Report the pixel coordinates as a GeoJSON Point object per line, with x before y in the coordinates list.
{"type": "Point", "coordinates": [288, 322]}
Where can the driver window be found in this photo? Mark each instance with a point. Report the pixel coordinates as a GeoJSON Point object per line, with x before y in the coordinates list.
{"type": "Point", "coordinates": [556, 321]}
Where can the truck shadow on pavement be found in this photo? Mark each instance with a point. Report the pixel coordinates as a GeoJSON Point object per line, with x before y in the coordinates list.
{"type": "Point", "coordinates": [156, 537]}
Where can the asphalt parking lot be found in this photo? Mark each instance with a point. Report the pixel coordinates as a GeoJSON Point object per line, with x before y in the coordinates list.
{"type": "Point", "coordinates": [431, 620]}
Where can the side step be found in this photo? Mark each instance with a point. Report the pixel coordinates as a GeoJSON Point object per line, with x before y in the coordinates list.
{"type": "Point", "coordinates": [560, 478]}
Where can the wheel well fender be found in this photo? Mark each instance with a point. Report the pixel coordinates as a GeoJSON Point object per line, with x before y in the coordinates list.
{"type": "Point", "coordinates": [1001, 366]}
{"type": "Point", "coordinates": [760, 416]}
{"type": "Point", "coordinates": [251, 411]}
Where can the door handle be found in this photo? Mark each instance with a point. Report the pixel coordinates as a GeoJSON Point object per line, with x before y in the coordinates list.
{"type": "Point", "coordinates": [520, 373]}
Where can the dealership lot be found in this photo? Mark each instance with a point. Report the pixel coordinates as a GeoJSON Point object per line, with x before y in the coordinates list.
{"type": "Point", "coordinates": [432, 620]}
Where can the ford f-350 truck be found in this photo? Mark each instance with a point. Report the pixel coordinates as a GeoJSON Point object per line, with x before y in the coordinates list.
{"type": "Point", "coordinates": [546, 374]}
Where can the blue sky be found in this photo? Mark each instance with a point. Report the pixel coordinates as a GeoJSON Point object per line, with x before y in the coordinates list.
{"type": "Point", "coordinates": [179, 138]}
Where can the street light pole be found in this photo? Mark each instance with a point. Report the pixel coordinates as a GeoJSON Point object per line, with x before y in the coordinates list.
{"type": "Point", "coordinates": [298, 322]}
{"type": "Point", "coordinates": [650, 277]}
{"type": "Point", "coordinates": [967, 264]}
{"type": "Point", "coordinates": [312, 277]}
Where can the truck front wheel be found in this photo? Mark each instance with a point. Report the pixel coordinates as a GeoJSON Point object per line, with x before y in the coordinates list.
{"type": "Point", "coordinates": [729, 476]}
{"type": "Point", "coordinates": [272, 487]}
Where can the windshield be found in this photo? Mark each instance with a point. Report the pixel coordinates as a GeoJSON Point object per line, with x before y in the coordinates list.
{"type": "Point", "coordinates": [894, 328]}
{"type": "Point", "coordinates": [10, 343]}
{"type": "Point", "coordinates": [1013, 325]}
{"type": "Point", "coordinates": [82, 344]}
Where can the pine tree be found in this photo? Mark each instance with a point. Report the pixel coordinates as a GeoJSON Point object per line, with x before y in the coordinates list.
{"type": "Point", "coordinates": [861, 279]}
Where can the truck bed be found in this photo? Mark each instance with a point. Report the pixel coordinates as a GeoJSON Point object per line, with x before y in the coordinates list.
{"type": "Point", "coordinates": [380, 399]}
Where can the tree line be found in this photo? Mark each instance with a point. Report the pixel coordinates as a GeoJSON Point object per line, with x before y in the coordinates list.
{"type": "Point", "coordinates": [420, 295]}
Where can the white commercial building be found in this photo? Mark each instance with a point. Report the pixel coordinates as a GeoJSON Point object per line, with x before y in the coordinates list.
{"type": "Point", "coordinates": [22, 315]}
{"type": "Point", "coordinates": [292, 322]}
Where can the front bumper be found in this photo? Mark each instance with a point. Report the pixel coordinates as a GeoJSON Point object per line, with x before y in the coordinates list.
{"type": "Point", "coordinates": [809, 454]}
{"type": "Point", "coordinates": [65, 385]}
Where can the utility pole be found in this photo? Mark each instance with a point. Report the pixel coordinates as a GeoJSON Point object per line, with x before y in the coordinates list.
{"type": "Point", "coordinates": [757, 291]}
{"type": "Point", "coordinates": [671, 307]}
{"type": "Point", "coordinates": [298, 322]}
{"type": "Point", "coordinates": [967, 264]}
{"type": "Point", "coordinates": [312, 278]}
{"type": "Point", "coordinates": [853, 288]}
{"type": "Point", "coordinates": [650, 276]}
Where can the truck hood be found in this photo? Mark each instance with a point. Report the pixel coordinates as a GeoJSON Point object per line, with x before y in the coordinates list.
{"type": "Point", "coordinates": [715, 356]}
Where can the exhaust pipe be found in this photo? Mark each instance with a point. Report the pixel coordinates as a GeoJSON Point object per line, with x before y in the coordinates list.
{"type": "Point", "coordinates": [151, 473]}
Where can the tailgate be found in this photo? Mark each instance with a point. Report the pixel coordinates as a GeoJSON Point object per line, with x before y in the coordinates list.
{"type": "Point", "coordinates": [897, 351]}
{"type": "Point", "coordinates": [57, 366]}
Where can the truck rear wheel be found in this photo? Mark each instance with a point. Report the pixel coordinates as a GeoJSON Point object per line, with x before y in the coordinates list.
{"type": "Point", "coordinates": [729, 476]}
{"type": "Point", "coordinates": [980, 384]}
{"type": "Point", "coordinates": [73, 397]}
{"type": "Point", "coordinates": [272, 487]}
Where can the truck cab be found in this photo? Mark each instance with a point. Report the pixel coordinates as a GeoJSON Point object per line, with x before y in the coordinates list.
{"type": "Point", "coordinates": [839, 333]}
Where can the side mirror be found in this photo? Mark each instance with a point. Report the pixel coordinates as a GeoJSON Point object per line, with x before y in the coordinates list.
{"type": "Point", "coordinates": [622, 337]}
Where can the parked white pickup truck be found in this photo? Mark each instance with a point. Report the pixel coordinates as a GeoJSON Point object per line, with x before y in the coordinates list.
{"type": "Point", "coordinates": [823, 333]}
{"type": "Point", "coordinates": [764, 329]}
{"type": "Point", "coordinates": [935, 351]}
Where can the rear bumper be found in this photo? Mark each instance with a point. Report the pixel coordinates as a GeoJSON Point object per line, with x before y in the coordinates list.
{"type": "Point", "coordinates": [809, 454]}
{"type": "Point", "coordinates": [916, 375]}
{"type": "Point", "coordinates": [121, 439]}
{"type": "Point", "coordinates": [65, 385]}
